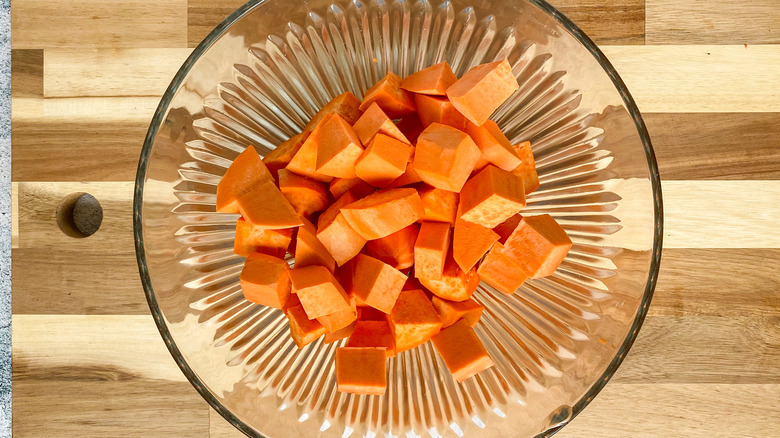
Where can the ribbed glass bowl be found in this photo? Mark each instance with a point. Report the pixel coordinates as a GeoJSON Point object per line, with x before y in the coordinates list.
{"type": "Point", "coordinates": [259, 76]}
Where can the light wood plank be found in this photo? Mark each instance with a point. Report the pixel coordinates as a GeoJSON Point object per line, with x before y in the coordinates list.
{"type": "Point", "coordinates": [607, 22]}
{"type": "Point", "coordinates": [42, 24]}
{"type": "Point", "coordinates": [205, 15]}
{"type": "Point", "coordinates": [700, 78]}
{"type": "Point", "coordinates": [712, 22]}
{"type": "Point", "coordinates": [110, 72]}
{"type": "Point", "coordinates": [220, 428]}
{"type": "Point", "coordinates": [27, 73]}
{"type": "Point", "coordinates": [689, 410]}
{"type": "Point", "coordinates": [84, 109]}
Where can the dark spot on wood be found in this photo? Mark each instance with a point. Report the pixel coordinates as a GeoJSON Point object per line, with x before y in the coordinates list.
{"type": "Point", "coordinates": [79, 215]}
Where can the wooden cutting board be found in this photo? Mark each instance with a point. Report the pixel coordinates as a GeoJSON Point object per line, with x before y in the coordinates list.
{"type": "Point", "coordinates": [87, 358]}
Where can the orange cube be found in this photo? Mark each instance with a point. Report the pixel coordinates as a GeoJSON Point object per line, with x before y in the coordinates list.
{"type": "Point", "coordinates": [440, 205]}
{"type": "Point", "coordinates": [357, 186]}
{"type": "Point", "coordinates": [388, 94]}
{"type": "Point", "coordinates": [339, 320]}
{"type": "Point", "coordinates": [281, 156]}
{"type": "Point", "coordinates": [384, 212]}
{"type": "Point", "coordinates": [361, 370]}
{"type": "Point", "coordinates": [430, 249]}
{"type": "Point", "coordinates": [479, 92]}
{"type": "Point", "coordinates": [305, 195]}
{"type": "Point", "coordinates": [462, 351]}
{"type": "Point", "coordinates": [303, 330]}
{"type": "Point", "coordinates": [434, 109]}
{"type": "Point", "coordinates": [454, 284]}
{"type": "Point", "coordinates": [309, 250]}
{"type": "Point", "coordinates": [494, 145]}
{"type": "Point", "coordinates": [538, 245]}
{"type": "Point", "coordinates": [376, 283]}
{"type": "Point", "coordinates": [265, 280]}
{"type": "Point", "coordinates": [409, 177]}
{"type": "Point", "coordinates": [339, 334]}
{"type": "Point", "coordinates": [500, 271]}
{"type": "Point", "coordinates": [318, 290]}
{"type": "Point", "coordinates": [491, 197]}
{"type": "Point", "coordinates": [433, 80]}
{"type": "Point", "coordinates": [527, 167]}
{"type": "Point", "coordinates": [245, 173]}
{"type": "Point", "coordinates": [266, 207]}
{"type": "Point", "coordinates": [413, 320]}
{"type": "Point", "coordinates": [411, 127]}
{"type": "Point", "coordinates": [444, 157]}
{"type": "Point", "coordinates": [251, 239]}
{"type": "Point", "coordinates": [338, 150]}
{"type": "Point", "coordinates": [452, 311]}
{"type": "Point", "coordinates": [373, 334]}
{"type": "Point", "coordinates": [397, 249]}
{"type": "Point", "coordinates": [367, 313]}
{"type": "Point", "coordinates": [383, 161]}
{"type": "Point", "coordinates": [336, 234]}
{"type": "Point", "coordinates": [304, 162]}
{"type": "Point", "coordinates": [374, 121]}
{"type": "Point", "coordinates": [346, 105]}
{"type": "Point", "coordinates": [470, 242]}
{"type": "Point", "coordinates": [506, 228]}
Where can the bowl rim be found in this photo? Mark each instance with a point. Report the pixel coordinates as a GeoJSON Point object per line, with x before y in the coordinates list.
{"type": "Point", "coordinates": [564, 21]}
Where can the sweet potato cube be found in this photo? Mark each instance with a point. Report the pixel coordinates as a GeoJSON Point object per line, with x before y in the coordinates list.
{"type": "Point", "coordinates": [500, 271]}
{"type": "Point", "coordinates": [303, 330]}
{"type": "Point", "coordinates": [409, 177]}
{"type": "Point", "coordinates": [440, 205]}
{"type": "Point", "coordinates": [368, 313]}
{"type": "Point", "coordinates": [413, 320]}
{"type": "Point", "coordinates": [305, 195]}
{"type": "Point", "coordinates": [266, 207]}
{"type": "Point", "coordinates": [336, 234]}
{"type": "Point", "coordinates": [434, 109]}
{"type": "Point", "coordinates": [444, 157]}
{"type": "Point", "coordinates": [339, 334]}
{"type": "Point", "coordinates": [318, 290]}
{"type": "Point", "coordinates": [338, 150]}
{"type": "Point", "coordinates": [388, 94]}
{"type": "Point", "coordinates": [538, 245]}
{"type": "Point", "coordinates": [245, 173]}
{"type": "Point", "coordinates": [345, 105]}
{"type": "Point", "coordinates": [506, 228]}
{"type": "Point", "coordinates": [470, 242]}
{"type": "Point", "coordinates": [454, 284]}
{"type": "Point", "coordinates": [397, 249]}
{"type": "Point", "coordinates": [491, 197]}
{"type": "Point", "coordinates": [280, 157]}
{"type": "Point", "coordinates": [265, 280]}
{"type": "Point", "coordinates": [433, 80]}
{"type": "Point", "coordinates": [374, 121]}
{"type": "Point", "coordinates": [357, 186]}
{"type": "Point", "coordinates": [304, 162]}
{"type": "Point", "coordinates": [462, 351]}
{"type": "Point", "coordinates": [373, 334]}
{"type": "Point", "coordinates": [430, 249]}
{"type": "Point", "coordinates": [384, 212]}
{"type": "Point", "coordinates": [479, 92]}
{"type": "Point", "coordinates": [527, 167]}
{"type": "Point", "coordinates": [361, 370]}
{"type": "Point", "coordinates": [494, 145]}
{"type": "Point", "coordinates": [309, 250]}
{"type": "Point", "coordinates": [251, 239]}
{"type": "Point", "coordinates": [383, 161]}
{"type": "Point", "coordinates": [411, 127]}
{"type": "Point", "coordinates": [376, 283]}
{"type": "Point", "coordinates": [339, 320]}
{"type": "Point", "coordinates": [451, 311]}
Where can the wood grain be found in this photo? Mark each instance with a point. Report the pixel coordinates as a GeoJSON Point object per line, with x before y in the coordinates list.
{"type": "Point", "coordinates": [607, 22]}
{"type": "Point", "coordinates": [712, 22]}
{"type": "Point", "coordinates": [220, 428]}
{"type": "Point", "coordinates": [84, 109]}
{"type": "Point", "coordinates": [27, 73]}
{"type": "Point", "coordinates": [205, 15]}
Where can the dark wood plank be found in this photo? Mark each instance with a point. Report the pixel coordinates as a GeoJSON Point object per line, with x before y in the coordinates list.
{"type": "Point", "coordinates": [729, 146]}
{"type": "Point", "coordinates": [205, 15]}
{"type": "Point", "coordinates": [27, 73]}
{"type": "Point", "coordinates": [608, 21]}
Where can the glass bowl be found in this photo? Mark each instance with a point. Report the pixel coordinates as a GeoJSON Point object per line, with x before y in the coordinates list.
{"type": "Point", "coordinates": [259, 76]}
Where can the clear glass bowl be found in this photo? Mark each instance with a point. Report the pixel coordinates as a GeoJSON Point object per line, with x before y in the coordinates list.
{"type": "Point", "coordinates": [259, 76]}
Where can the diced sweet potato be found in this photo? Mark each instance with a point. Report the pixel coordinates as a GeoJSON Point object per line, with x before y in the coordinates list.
{"type": "Point", "coordinates": [376, 283]}
{"type": "Point", "coordinates": [435, 109]}
{"type": "Point", "coordinates": [506, 228]}
{"type": "Point", "coordinates": [345, 105]}
{"type": "Point", "coordinates": [444, 157]}
{"type": "Point", "coordinates": [411, 126]}
{"type": "Point", "coordinates": [462, 351]}
{"type": "Point", "coordinates": [357, 186]}
{"type": "Point", "coordinates": [245, 173]}
{"type": "Point", "coordinates": [338, 149]}
{"type": "Point", "coordinates": [413, 283]}
{"type": "Point", "coordinates": [265, 280]}
{"type": "Point", "coordinates": [251, 239]}
{"type": "Point", "coordinates": [318, 290]}
{"type": "Point", "coordinates": [383, 161]}
{"type": "Point", "coordinates": [309, 250]}
{"type": "Point", "coordinates": [409, 177]}
{"type": "Point", "coordinates": [470, 242]}
{"type": "Point", "coordinates": [527, 167]}
{"type": "Point", "coordinates": [454, 284]}
{"type": "Point", "coordinates": [336, 234]}
{"type": "Point", "coordinates": [303, 330]}
{"type": "Point", "coordinates": [500, 271]}
{"type": "Point", "coordinates": [440, 205]}
{"type": "Point", "coordinates": [281, 156]}
{"type": "Point", "coordinates": [430, 249]}
{"type": "Point", "coordinates": [305, 195]}
{"type": "Point", "coordinates": [339, 334]}
{"type": "Point", "coordinates": [384, 212]}
{"type": "Point", "coordinates": [339, 320]}
{"type": "Point", "coordinates": [304, 162]}
{"type": "Point", "coordinates": [413, 320]}
{"type": "Point", "coordinates": [397, 249]}
{"type": "Point", "coordinates": [482, 90]}
{"type": "Point", "coordinates": [374, 121]}
{"type": "Point", "coordinates": [491, 197]}
{"type": "Point", "coordinates": [451, 311]}
{"type": "Point", "coordinates": [494, 145]}
{"type": "Point", "coordinates": [433, 80]}
{"type": "Point", "coordinates": [266, 207]}
{"type": "Point", "coordinates": [373, 334]}
{"type": "Point", "coordinates": [368, 313]}
{"type": "Point", "coordinates": [361, 370]}
{"type": "Point", "coordinates": [388, 94]}
{"type": "Point", "coordinates": [538, 245]}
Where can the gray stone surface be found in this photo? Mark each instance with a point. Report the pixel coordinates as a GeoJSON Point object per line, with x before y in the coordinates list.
{"type": "Point", "coordinates": [5, 218]}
